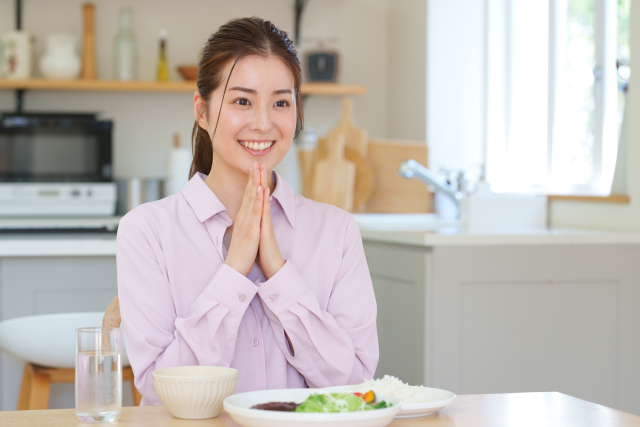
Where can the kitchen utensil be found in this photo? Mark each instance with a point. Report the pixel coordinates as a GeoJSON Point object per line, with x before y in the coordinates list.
{"type": "Point", "coordinates": [194, 392]}
{"type": "Point", "coordinates": [364, 181]}
{"type": "Point", "coordinates": [392, 193]}
{"type": "Point", "coordinates": [239, 407]}
{"type": "Point", "coordinates": [355, 138]}
{"type": "Point", "coordinates": [307, 147]}
{"type": "Point", "coordinates": [88, 45]}
{"type": "Point", "coordinates": [189, 72]}
{"type": "Point", "coordinates": [60, 60]}
{"type": "Point", "coordinates": [334, 176]}
{"type": "Point", "coordinates": [98, 374]}
{"type": "Point", "coordinates": [15, 51]}
{"type": "Point", "coordinates": [180, 159]}
{"type": "Point", "coordinates": [355, 151]}
{"type": "Point", "coordinates": [438, 400]}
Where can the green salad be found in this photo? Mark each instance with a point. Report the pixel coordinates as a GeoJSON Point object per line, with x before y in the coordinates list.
{"type": "Point", "coordinates": [338, 402]}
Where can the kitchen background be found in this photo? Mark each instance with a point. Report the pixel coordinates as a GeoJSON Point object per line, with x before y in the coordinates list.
{"type": "Point", "coordinates": [425, 68]}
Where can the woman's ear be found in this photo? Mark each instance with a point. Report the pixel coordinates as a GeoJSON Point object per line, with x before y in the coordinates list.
{"type": "Point", "coordinates": [199, 111]}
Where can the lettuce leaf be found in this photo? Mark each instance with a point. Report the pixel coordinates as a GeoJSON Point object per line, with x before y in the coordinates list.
{"type": "Point", "coordinates": [333, 402]}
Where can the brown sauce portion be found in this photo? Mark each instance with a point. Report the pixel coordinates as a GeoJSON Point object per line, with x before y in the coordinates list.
{"type": "Point", "coordinates": [276, 406]}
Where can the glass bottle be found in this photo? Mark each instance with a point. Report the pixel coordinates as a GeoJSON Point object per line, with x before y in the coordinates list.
{"type": "Point", "coordinates": [163, 65]}
{"type": "Point", "coordinates": [125, 60]}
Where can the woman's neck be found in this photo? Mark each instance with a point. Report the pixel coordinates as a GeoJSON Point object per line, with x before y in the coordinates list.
{"type": "Point", "coordinates": [229, 185]}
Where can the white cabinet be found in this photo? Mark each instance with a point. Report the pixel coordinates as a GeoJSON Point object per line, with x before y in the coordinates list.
{"type": "Point", "coordinates": [511, 318]}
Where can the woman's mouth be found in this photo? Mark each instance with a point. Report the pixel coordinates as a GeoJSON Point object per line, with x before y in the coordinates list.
{"type": "Point", "coordinates": [256, 148]}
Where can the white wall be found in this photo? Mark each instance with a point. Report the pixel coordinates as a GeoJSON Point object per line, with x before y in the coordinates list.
{"type": "Point", "coordinates": [144, 123]}
{"type": "Point", "coordinates": [614, 216]}
{"type": "Point", "coordinates": [408, 69]}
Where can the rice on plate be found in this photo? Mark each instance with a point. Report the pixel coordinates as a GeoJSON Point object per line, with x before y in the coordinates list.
{"type": "Point", "coordinates": [393, 386]}
{"type": "Point", "coordinates": [417, 401]}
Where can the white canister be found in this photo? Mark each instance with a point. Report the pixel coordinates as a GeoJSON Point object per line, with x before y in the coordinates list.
{"type": "Point", "coordinates": [60, 60]}
{"type": "Point", "coordinates": [15, 55]}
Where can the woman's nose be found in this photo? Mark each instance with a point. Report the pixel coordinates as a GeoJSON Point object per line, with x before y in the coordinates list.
{"type": "Point", "coordinates": [261, 121]}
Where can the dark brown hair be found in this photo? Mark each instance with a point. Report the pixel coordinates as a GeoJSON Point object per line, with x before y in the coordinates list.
{"type": "Point", "coordinates": [236, 39]}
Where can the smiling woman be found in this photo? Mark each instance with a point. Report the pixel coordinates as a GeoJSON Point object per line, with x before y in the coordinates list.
{"type": "Point", "coordinates": [237, 270]}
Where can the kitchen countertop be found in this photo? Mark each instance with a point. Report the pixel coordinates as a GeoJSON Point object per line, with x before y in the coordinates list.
{"type": "Point", "coordinates": [408, 229]}
{"type": "Point", "coordinates": [459, 236]}
{"type": "Point", "coordinates": [498, 410]}
{"type": "Point", "coordinates": [57, 244]}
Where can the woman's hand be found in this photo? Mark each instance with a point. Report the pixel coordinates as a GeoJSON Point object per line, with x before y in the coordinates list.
{"type": "Point", "coordinates": [269, 257]}
{"type": "Point", "coordinates": [246, 230]}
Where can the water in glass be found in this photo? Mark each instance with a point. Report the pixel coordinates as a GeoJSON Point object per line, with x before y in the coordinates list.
{"type": "Point", "coordinates": [98, 380]}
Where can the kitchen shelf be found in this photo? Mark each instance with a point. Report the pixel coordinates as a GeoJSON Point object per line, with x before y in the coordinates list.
{"type": "Point", "coordinates": [328, 89]}
{"type": "Point", "coordinates": [614, 198]}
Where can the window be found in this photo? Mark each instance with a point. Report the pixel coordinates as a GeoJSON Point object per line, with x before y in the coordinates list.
{"type": "Point", "coordinates": [556, 74]}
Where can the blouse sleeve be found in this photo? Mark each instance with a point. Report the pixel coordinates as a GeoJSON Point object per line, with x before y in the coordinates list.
{"type": "Point", "coordinates": [336, 346]}
{"type": "Point", "coordinates": [155, 336]}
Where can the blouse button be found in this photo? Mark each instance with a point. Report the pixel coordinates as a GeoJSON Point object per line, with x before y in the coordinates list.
{"type": "Point", "coordinates": [242, 298]}
{"type": "Point", "coordinates": [255, 342]}
{"type": "Point", "coordinates": [273, 298]}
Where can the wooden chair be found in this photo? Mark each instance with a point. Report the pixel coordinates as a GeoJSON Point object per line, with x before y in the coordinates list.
{"type": "Point", "coordinates": [36, 380]}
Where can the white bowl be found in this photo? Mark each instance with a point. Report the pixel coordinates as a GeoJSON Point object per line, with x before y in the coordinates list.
{"type": "Point", "coordinates": [239, 407]}
{"type": "Point", "coordinates": [48, 339]}
{"type": "Point", "coordinates": [194, 392]}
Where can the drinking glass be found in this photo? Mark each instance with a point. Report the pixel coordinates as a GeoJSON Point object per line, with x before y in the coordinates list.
{"type": "Point", "coordinates": [98, 374]}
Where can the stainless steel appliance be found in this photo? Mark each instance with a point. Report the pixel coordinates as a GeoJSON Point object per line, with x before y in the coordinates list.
{"type": "Point", "coordinates": [55, 164]}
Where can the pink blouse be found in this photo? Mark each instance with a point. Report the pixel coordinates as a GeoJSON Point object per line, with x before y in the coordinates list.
{"type": "Point", "coordinates": [181, 305]}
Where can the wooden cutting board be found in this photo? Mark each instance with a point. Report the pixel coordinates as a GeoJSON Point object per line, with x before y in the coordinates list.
{"type": "Point", "coordinates": [334, 176]}
{"type": "Point", "coordinates": [392, 193]}
{"type": "Point", "coordinates": [365, 177]}
{"type": "Point", "coordinates": [355, 138]}
{"type": "Point", "coordinates": [355, 151]}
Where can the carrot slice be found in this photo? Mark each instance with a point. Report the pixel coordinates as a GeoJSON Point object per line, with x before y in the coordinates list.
{"type": "Point", "coordinates": [369, 397]}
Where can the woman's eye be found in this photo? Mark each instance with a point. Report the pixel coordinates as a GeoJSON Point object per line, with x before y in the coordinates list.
{"type": "Point", "coordinates": [242, 101]}
{"type": "Point", "coordinates": [282, 104]}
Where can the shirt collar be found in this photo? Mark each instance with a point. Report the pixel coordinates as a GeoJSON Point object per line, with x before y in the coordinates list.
{"type": "Point", "coordinates": [206, 204]}
{"type": "Point", "coordinates": [202, 200]}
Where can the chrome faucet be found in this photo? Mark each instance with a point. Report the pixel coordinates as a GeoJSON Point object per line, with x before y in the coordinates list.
{"type": "Point", "coordinates": [411, 168]}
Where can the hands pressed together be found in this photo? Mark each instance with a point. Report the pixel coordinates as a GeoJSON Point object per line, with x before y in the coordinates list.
{"type": "Point", "coordinates": [253, 234]}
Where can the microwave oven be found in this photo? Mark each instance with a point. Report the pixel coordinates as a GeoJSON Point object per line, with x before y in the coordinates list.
{"type": "Point", "coordinates": [56, 164]}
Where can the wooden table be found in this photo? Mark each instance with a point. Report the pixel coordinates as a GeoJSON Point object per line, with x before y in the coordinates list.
{"type": "Point", "coordinates": [490, 410]}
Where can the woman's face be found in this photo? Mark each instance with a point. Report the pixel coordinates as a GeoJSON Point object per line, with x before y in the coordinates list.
{"type": "Point", "coordinates": [258, 115]}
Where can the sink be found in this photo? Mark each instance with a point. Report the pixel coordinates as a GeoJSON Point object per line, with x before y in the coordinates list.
{"type": "Point", "coordinates": [48, 339]}
{"type": "Point", "coordinates": [403, 222]}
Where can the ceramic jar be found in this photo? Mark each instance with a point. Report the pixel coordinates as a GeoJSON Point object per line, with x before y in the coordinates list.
{"type": "Point", "coordinates": [60, 60]}
{"type": "Point", "coordinates": [15, 55]}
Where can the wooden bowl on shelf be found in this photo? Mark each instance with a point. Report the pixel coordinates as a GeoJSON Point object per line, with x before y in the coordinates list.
{"type": "Point", "coordinates": [189, 72]}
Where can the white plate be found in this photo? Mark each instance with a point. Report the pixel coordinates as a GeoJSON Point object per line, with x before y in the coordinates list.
{"type": "Point", "coordinates": [239, 407]}
{"type": "Point", "coordinates": [439, 399]}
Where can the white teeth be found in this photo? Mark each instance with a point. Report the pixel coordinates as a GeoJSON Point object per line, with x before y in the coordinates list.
{"type": "Point", "coordinates": [258, 146]}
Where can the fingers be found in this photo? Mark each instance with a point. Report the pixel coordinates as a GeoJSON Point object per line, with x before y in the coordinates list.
{"type": "Point", "coordinates": [266, 209]}
{"type": "Point", "coordinates": [250, 193]}
{"type": "Point", "coordinates": [257, 206]}
{"type": "Point", "coordinates": [263, 176]}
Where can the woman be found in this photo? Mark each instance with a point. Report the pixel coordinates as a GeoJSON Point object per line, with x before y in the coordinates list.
{"type": "Point", "coordinates": [237, 270]}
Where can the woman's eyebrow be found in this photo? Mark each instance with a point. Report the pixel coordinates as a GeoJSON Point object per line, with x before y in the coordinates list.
{"type": "Point", "coordinates": [244, 89]}
{"type": "Point", "coordinates": [253, 91]}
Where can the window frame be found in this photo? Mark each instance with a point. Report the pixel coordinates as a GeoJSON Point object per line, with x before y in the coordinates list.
{"type": "Point", "coordinates": [499, 82]}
